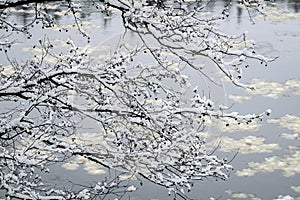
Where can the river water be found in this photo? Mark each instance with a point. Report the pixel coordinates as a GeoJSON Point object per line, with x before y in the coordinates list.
{"type": "Point", "coordinates": [268, 162]}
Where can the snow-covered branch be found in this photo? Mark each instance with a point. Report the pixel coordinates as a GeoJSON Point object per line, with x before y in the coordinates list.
{"type": "Point", "coordinates": [151, 119]}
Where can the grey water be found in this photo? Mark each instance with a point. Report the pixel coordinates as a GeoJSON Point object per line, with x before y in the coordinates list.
{"type": "Point", "coordinates": [275, 37]}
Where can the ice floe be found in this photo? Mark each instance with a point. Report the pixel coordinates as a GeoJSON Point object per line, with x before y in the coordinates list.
{"type": "Point", "coordinates": [289, 164]}
{"type": "Point", "coordinates": [287, 121]}
{"type": "Point", "coordinates": [247, 145]}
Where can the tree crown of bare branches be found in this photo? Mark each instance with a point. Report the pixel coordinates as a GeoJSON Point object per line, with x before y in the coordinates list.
{"type": "Point", "coordinates": [151, 119]}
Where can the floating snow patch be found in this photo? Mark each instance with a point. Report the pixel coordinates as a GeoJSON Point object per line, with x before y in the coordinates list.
{"type": "Point", "coordinates": [93, 168]}
{"type": "Point", "coordinates": [7, 70]}
{"type": "Point", "coordinates": [267, 88]}
{"type": "Point", "coordinates": [294, 85]}
{"type": "Point", "coordinates": [238, 98]}
{"type": "Point", "coordinates": [295, 136]}
{"type": "Point", "coordinates": [246, 172]}
{"type": "Point", "coordinates": [241, 195]}
{"type": "Point", "coordinates": [247, 145]}
{"type": "Point", "coordinates": [278, 15]}
{"type": "Point", "coordinates": [131, 188]}
{"type": "Point", "coordinates": [273, 89]}
{"type": "Point", "coordinates": [296, 188]}
{"type": "Point", "coordinates": [290, 122]}
{"type": "Point", "coordinates": [89, 166]}
{"type": "Point", "coordinates": [286, 197]}
{"type": "Point", "coordinates": [70, 166]}
{"type": "Point", "coordinates": [126, 176]}
{"type": "Point", "coordinates": [289, 164]}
